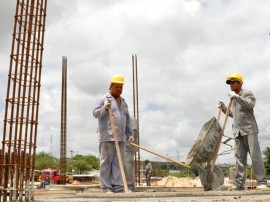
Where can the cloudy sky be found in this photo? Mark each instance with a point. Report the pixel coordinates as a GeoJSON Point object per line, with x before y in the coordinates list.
{"type": "Point", "coordinates": [185, 50]}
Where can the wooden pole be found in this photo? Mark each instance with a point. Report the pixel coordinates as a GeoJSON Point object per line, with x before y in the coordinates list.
{"type": "Point", "coordinates": [181, 164]}
{"type": "Point", "coordinates": [214, 157]}
{"type": "Point", "coordinates": [118, 151]}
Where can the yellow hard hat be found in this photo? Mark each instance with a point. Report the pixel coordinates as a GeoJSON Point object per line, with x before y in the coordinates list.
{"type": "Point", "coordinates": [235, 77]}
{"type": "Point", "coordinates": [117, 79]}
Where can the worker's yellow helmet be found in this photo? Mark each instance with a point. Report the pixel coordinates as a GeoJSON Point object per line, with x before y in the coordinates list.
{"type": "Point", "coordinates": [235, 77]}
{"type": "Point", "coordinates": [117, 79]}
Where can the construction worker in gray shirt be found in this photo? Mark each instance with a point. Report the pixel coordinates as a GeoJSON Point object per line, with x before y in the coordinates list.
{"type": "Point", "coordinates": [110, 174]}
{"type": "Point", "coordinates": [245, 131]}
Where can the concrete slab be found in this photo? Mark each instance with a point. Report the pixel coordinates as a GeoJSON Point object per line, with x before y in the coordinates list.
{"type": "Point", "coordinates": [149, 194]}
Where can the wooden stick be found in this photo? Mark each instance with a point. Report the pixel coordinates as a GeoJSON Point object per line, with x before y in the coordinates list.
{"type": "Point", "coordinates": [218, 114]}
{"type": "Point", "coordinates": [118, 151]}
{"type": "Point", "coordinates": [181, 164]}
{"type": "Point", "coordinates": [214, 157]}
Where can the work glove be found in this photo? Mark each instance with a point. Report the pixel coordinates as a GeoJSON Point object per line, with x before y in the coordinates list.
{"type": "Point", "coordinates": [107, 104]}
{"type": "Point", "coordinates": [130, 139]}
{"type": "Point", "coordinates": [221, 105]}
{"type": "Point", "coordinates": [232, 94]}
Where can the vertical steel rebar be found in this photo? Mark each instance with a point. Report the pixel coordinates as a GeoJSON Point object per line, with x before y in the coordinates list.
{"type": "Point", "coordinates": [63, 139]}
{"type": "Point", "coordinates": [136, 115]}
{"type": "Point", "coordinates": [17, 160]}
{"type": "Point", "coordinates": [1, 172]}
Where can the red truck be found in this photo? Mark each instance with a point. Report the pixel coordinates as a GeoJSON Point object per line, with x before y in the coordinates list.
{"type": "Point", "coordinates": [50, 176]}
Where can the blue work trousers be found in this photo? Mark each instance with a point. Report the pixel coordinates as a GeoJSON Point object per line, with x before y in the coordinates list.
{"type": "Point", "coordinates": [244, 145]}
{"type": "Point", "coordinates": [110, 174]}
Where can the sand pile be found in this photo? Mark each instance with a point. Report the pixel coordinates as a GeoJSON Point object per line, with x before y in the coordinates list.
{"type": "Point", "coordinates": [179, 182]}
{"type": "Point", "coordinates": [75, 182]}
{"type": "Point", "coordinates": [184, 182]}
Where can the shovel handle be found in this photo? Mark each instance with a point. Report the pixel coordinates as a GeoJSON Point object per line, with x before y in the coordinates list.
{"type": "Point", "coordinates": [181, 164]}
{"type": "Point", "coordinates": [118, 151]}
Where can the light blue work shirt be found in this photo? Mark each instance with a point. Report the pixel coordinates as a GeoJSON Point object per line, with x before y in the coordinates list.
{"type": "Point", "coordinates": [121, 119]}
{"type": "Point", "coordinates": [244, 121]}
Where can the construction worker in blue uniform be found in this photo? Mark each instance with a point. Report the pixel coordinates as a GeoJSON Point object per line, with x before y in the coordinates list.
{"type": "Point", "coordinates": [245, 132]}
{"type": "Point", "coordinates": [110, 174]}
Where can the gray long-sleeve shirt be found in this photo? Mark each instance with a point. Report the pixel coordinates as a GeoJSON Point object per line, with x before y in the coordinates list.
{"type": "Point", "coordinates": [121, 119]}
{"type": "Point", "coordinates": [244, 121]}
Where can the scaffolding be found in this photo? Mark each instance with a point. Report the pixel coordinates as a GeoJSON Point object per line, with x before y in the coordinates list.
{"type": "Point", "coordinates": [17, 156]}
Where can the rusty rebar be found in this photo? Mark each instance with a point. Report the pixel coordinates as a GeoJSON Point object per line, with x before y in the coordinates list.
{"type": "Point", "coordinates": [63, 122]}
{"type": "Point", "coordinates": [17, 159]}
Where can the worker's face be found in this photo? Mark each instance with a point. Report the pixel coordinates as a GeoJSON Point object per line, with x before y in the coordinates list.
{"type": "Point", "coordinates": [116, 89]}
{"type": "Point", "coordinates": [235, 86]}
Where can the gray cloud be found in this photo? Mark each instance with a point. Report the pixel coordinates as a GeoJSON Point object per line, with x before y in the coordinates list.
{"type": "Point", "coordinates": [185, 51]}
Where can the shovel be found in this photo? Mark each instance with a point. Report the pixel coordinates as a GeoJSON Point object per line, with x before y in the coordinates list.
{"type": "Point", "coordinates": [118, 151]}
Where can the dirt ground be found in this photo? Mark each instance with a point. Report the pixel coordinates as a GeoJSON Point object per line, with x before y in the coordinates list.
{"type": "Point", "coordinates": [169, 189]}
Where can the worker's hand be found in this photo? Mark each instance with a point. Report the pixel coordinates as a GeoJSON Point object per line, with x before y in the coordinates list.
{"type": "Point", "coordinates": [232, 94]}
{"type": "Point", "coordinates": [130, 139]}
{"type": "Point", "coordinates": [107, 104]}
{"type": "Point", "coordinates": [221, 105]}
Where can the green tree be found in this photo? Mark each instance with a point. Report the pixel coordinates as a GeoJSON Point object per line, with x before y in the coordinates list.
{"type": "Point", "coordinates": [83, 164]}
{"type": "Point", "coordinates": [45, 160]}
{"type": "Point", "coordinates": [158, 172]}
{"type": "Point", "coordinates": [172, 166]}
{"type": "Point", "coordinates": [188, 172]}
{"type": "Point", "coordinates": [163, 166]}
{"type": "Point", "coordinates": [266, 153]}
